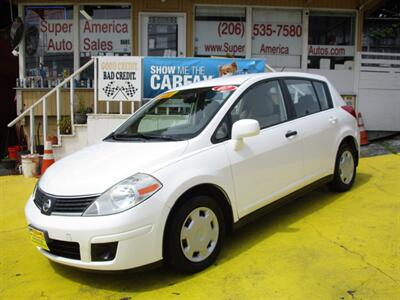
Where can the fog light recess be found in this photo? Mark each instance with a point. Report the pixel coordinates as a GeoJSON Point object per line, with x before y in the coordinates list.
{"type": "Point", "coordinates": [104, 251]}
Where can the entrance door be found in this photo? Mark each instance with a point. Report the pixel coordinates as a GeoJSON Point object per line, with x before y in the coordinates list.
{"type": "Point", "coordinates": [163, 34]}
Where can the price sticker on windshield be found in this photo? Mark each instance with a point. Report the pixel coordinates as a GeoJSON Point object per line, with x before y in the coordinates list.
{"type": "Point", "coordinates": [224, 88]}
{"type": "Point", "coordinates": [166, 95]}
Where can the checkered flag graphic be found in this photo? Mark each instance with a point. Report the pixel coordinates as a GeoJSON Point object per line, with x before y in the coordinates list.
{"type": "Point", "coordinates": [129, 89]}
{"type": "Point", "coordinates": [110, 89]}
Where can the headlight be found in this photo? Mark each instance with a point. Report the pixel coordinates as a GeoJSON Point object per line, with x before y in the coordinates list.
{"type": "Point", "coordinates": [124, 195]}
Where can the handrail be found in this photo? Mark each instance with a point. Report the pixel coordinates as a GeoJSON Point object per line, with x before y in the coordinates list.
{"type": "Point", "coordinates": [25, 112]}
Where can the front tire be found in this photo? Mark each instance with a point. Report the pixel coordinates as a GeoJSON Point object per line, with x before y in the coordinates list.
{"type": "Point", "coordinates": [345, 169]}
{"type": "Point", "coordinates": [194, 235]}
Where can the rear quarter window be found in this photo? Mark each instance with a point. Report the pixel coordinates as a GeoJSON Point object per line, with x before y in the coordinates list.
{"type": "Point", "coordinates": [323, 95]}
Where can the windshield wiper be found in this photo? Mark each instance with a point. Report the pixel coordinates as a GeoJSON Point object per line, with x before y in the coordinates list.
{"type": "Point", "coordinates": [142, 136]}
{"type": "Point", "coordinates": [159, 137]}
{"type": "Point", "coordinates": [128, 137]}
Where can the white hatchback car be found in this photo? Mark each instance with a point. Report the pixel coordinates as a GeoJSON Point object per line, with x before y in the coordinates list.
{"type": "Point", "coordinates": [191, 165]}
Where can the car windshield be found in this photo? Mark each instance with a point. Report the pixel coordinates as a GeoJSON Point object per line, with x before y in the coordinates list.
{"type": "Point", "coordinates": [174, 115]}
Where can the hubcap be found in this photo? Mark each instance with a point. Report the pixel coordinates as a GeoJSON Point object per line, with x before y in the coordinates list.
{"type": "Point", "coordinates": [346, 167]}
{"type": "Point", "coordinates": [199, 234]}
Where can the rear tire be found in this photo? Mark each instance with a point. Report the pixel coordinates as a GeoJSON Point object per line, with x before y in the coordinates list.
{"type": "Point", "coordinates": [345, 169]}
{"type": "Point", "coordinates": [194, 235]}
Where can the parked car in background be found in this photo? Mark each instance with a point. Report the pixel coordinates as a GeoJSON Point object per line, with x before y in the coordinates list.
{"type": "Point", "coordinates": [189, 166]}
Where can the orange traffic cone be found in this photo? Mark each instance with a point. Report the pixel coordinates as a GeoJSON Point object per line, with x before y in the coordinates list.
{"type": "Point", "coordinates": [363, 132]}
{"type": "Point", "coordinates": [48, 157]}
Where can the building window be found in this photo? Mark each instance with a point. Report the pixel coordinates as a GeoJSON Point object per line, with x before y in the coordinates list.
{"type": "Point", "coordinates": [220, 31]}
{"type": "Point", "coordinates": [331, 41]}
{"type": "Point", "coordinates": [48, 44]}
{"type": "Point", "coordinates": [162, 36]}
{"type": "Point", "coordinates": [277, 35]}
{"type": "Point", "coordinates": [103, 30]}
{"type": "Point", "coordinates": [381, 35]}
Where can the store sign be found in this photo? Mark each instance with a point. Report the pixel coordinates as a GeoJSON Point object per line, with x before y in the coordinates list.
{"type": "Point", "coordinates": [326, 50]}
{"type": "Point", "coordinates": [56, 36]}
{"type": "Point", "coordinates": [277, 39]}
{"type": "Point", "coordinates": [220, 38]}
{"type": "Point", "coordinates": [105, 36]}
{"type": "Point", "coordinates": [95, 36]}
{"type": "Point", "coordinates": [119, 78]}
{"type": "Point", "coordinates": [277, 32]}
{"type": "Point", "coordinates": [161, 74]}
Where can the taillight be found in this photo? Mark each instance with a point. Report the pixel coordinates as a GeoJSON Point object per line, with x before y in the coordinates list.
{"type": "Point", "coordinates": [350, 110]}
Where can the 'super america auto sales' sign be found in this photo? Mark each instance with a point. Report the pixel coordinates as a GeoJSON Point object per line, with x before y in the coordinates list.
{"type": "Point", "coordinates": [119, 78]}
{"type": "Point", "coordinates": [95, 35]}
{"type": "Point", "coordinates": [56, 35]}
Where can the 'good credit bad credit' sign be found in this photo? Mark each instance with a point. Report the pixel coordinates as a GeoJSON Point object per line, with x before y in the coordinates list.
{"type": "Point", "coordinates": [119, 78]}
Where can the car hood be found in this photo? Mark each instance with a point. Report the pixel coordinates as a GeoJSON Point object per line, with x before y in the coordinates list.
{"type": "Point", "coordinates": [96, 168]}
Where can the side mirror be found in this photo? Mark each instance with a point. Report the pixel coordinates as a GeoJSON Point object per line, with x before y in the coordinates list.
{"type": "Point", "coordinates": [243, 129]}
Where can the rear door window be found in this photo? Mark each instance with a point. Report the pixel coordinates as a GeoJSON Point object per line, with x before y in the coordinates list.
{"type": "Point", "coordinates": [303, 97]}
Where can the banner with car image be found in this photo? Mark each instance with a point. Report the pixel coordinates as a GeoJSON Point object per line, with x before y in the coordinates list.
{"type": "Point", "coordinates": [162, 74]}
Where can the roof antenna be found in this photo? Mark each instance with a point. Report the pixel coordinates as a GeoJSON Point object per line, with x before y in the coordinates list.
{"type": "Point", "coordinates": [283, 68]}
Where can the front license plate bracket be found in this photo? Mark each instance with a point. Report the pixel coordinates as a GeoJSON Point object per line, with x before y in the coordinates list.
{"type": "Point", "coordinates": [38, 237]}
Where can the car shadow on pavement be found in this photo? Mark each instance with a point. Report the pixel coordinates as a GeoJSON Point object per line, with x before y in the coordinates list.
{"type": "Point", "coordinates": [279, 220]}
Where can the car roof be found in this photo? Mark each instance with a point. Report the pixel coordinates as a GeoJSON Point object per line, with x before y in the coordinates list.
{"type": "Point", "coordinates": [240, 79]}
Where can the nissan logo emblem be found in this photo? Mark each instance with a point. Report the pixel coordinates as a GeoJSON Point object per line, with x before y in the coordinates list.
{"type": "Point", "coordinates": [46, 205]}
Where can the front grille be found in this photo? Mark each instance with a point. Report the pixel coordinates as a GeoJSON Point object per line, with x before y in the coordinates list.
{"type": "Point", "coordinates": [75, 205]}
{"type": "Point", "coordinates": [64, 249]}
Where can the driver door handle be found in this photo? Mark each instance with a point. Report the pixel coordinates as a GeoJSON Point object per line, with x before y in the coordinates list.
{"type": "Point", "coordinates": [291, 134]}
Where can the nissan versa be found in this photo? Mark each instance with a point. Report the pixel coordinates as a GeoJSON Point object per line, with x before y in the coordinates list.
{"type": "Point", "coordinates": [189, 166]}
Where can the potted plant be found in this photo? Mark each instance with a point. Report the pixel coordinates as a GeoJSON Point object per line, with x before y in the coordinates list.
{"type": "Point", "coordinates": [80, 114]}
{"type": "Point", "coordinates": [65, 125]}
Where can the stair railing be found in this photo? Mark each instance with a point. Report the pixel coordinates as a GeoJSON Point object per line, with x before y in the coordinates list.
{"type": "Point", "coordinates": [43, 101]}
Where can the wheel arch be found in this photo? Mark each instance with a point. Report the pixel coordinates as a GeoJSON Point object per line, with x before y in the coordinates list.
{"type": "Point", "coordinates": [351, 141]}
{"type": "Point", "coordinates": [207, 189]}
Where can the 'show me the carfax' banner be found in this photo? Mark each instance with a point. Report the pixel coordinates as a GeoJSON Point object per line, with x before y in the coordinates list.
{"type": "Point", "coordinates": [161, 74]}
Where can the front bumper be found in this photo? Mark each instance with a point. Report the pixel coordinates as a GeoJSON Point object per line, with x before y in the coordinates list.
{"type": "Point", "coordinates": [138, 232]}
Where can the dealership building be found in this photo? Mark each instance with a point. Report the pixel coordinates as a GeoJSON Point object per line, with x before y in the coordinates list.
{"type": "Point", "coordinates": [354, 43]}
